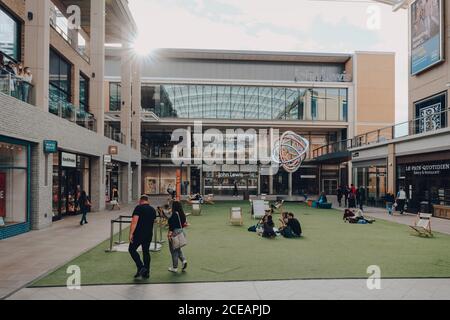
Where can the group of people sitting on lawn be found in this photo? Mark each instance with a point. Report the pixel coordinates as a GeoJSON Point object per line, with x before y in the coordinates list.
{"type": "Point", "coordinates": [200, 199]}
{"type": "Point", "coordinates": [289, 226]}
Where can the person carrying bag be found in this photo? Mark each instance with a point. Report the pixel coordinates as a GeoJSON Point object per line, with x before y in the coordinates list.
{"type": "Point", "coordinates": [177, 239]}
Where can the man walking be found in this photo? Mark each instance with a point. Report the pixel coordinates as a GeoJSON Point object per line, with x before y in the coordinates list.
{"type": "Point", "coordinates": [141, 234]}
{"type": "Point", "coordinates": [401, 200]}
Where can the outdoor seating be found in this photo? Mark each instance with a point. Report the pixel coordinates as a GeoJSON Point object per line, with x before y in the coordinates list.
{"type": "Point", "coordinates": [259, 209]}
{"type": "Point", "coordinates": [236, 218]}
{"type": "Point", "coordinates": [196, 208]}
{"type": "Point", "coordinates": [422, 225]}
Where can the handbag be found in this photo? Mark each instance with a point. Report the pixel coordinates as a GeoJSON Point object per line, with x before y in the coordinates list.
{"type": "Point", "coordinates": [179, 241]}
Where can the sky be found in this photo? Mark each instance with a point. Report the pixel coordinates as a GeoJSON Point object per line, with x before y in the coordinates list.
{"type": "Point", "coordinates": [336, 26]}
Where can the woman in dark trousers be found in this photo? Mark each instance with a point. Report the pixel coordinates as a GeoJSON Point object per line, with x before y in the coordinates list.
{"type": "Point", "coordinates": [85, 205]}
{"type": "Point", "coordinates": [175, 221]}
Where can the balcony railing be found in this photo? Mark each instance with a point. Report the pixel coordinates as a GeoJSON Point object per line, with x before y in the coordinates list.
{"type": "Point", "coordinates": [16, 87]}
{"type": "Point", "coordinates": [429, 123]}
{"type": "Point", "coordinates": [114, 134]}
{"type": "Point", "coordinates": [80, 49]}
{"type": "Point", "coordinates": [68, 111]}
{"type": "Point", "coordinates": [336, 147]}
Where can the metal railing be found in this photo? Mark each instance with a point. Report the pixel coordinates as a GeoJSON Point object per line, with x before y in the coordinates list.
{"type": "Point", "coordinates": [80, 50]}
{"type": "Point", "coordinates": [16, 87]}
{"type": "Point", "coordinates": [114, 134]}
{"type": "Point", "coordinates": [340, 146]}
{"type": "Point", "coordinates": [429, 123]}
{"type": "Point", "coordinates": [68, 111]}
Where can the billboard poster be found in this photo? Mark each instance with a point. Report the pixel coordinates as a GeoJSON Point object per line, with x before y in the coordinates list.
{"type": "Point", "coordinates": [2, 194]}
{"type": "Point", "coordinates": [426, 34]}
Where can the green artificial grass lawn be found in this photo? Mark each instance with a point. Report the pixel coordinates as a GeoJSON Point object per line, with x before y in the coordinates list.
{"type": "Point", "coordinates": [330, 249]}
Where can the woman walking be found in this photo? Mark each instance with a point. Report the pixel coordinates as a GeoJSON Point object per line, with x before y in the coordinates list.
{"type": "Point", "coordinates": [85, 205]}
{"type": "Point", "coordinates": [175, 221]}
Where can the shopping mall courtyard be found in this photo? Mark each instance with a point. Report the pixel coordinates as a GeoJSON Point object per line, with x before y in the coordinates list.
{"type": "Point", "coordinates": [228, 262]}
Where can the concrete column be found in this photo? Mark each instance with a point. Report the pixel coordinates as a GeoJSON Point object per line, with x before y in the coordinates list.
{"type": "Point", "coordinates": [259, 181]}
{"type": "Point", "coordinates": [125, 111]}
{"type": "Point", "coordinates": [98, 184]}
{"type": "Point", "coordinates": [392, 169]}
{"type": "Point", "coordinates": [126, 183]}
{"type": "Point", "coordinates": [271, 184]}
{"type": "Point", "coordinates": [37, 49]}
{"type": "Point", "coordinates": [41, 188]}
{"type": "Point", "coordinates": [290, 178]}
{"type": "Point", "coordinates": [97, 58]}
{"type": "Point", "coordinates": [136, 104]}
{"type": "Point", "coordinates": [76, 85]}
{"type": "Point", "coordinates": [137, 188]}
{"type": "Point", "coordinates": [188, 178]}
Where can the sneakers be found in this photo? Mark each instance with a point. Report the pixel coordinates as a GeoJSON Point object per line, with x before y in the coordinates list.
{"type": "Point", "coordinates": [173, 270]}
{"type": "Point", "coordinates": [185, 264]}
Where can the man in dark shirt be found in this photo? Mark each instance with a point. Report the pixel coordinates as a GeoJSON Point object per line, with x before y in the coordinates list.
{"type": "Point", "coordinates": [294, 224]}
{"type": "Point", "coordinates": [141, 234]}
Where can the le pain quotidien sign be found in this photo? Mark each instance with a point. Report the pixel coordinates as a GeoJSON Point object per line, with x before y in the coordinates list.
{"type": "Point", "coordinates": [428, 169]}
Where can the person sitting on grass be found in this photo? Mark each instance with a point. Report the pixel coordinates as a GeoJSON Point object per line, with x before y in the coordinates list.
{"type": "Point", "coordinates": [357, 217]}
{"type": "Point", "coordinates": [323, 198]}
{"type": "Point", "coordinates": [196, 197]}
{"type": "Point", "coordinates": [268, 231]}
{"type": "Point", "coordinates": [293, 228]}
{"type": "Point", "coordinates": [283, 220]}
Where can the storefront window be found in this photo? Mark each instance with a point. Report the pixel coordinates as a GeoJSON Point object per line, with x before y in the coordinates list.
{"type": "Point", "coordinates": [374, 180]}
{"type": "Point", "coordinates": [71, 175]}
{"type": "Point", "coordinates": [13, 184]}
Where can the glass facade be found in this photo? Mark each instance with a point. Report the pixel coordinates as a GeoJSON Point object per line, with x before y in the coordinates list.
{"type": "Point", "coordinates": [242, 102]}
{"type": "Point", "coordinates": [10, 35]}
{"type": "Point", "coordinates": [84, 92]}
{"type": "Point", "coordinates": [60, 82]}
{"type": "Point", "coordinates": [14, 185]}
{"type": "Point", "coordinates": [374, 180]}
{"type": "Point", "coordinates": [69, 178]}
{"type": "Point", "coordinates": [114, 96]}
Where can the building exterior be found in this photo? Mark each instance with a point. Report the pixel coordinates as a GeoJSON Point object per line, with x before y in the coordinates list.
{"type": "Point", "coordinates": [53, 139]}
{"type": "Point", "coordinates": [415, 155]}
{"type": "Point", "coordinates": [326, 98]}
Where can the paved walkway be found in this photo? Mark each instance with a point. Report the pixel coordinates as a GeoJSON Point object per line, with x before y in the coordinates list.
{"type": "Point", "coordinates": [34, 254]}
{"type": "Point", "coordinates": [437, 224]}
{"type": "Point", "coordinates": [404, 289]}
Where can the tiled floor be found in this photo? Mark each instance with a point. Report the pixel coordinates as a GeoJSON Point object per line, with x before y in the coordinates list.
{"type": "Point", "coordinates": [29, 256]}
{"type": "Point", "coordinates": [406, 289]}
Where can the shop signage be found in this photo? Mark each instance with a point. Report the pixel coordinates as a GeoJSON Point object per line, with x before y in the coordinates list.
{"type": "Point", "coordinates": [68, 160]}
{"type": "Point", "coordinates": [113, 150]}
{"type": "Point", "coordinates": [2, 195]}
{"type": "Point", "coordinates": [230, 175]}
{"type": "Point", "coordinates": [50, 146]}
{"type": "Point", "coordinates": [107, 159]}
{"type": "Point", "coordinates": [427, 169]}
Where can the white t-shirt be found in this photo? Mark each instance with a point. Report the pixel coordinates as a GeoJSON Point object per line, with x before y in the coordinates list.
{"type": "Point", "coordinates": [401, 195]}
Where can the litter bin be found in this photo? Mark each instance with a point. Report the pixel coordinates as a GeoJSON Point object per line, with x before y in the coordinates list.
{"type": "Point", "coordinates": [425, 207]}
{"type": "Point", "coordinates": [246, 196]}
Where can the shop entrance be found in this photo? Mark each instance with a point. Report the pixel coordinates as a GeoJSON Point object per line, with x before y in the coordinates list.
{"type": "Point", "coordinates": [71, 175]}
{"type": "Point", "coordinates": [223, 183]}
{"type": "Point", "coordinates": [330, 186]}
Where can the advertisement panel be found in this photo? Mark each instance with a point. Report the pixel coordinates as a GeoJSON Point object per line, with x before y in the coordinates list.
{"type": "Point", "coordinates": [2, 194]}
{"type": "Point", "coordinates": [426, 34]}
